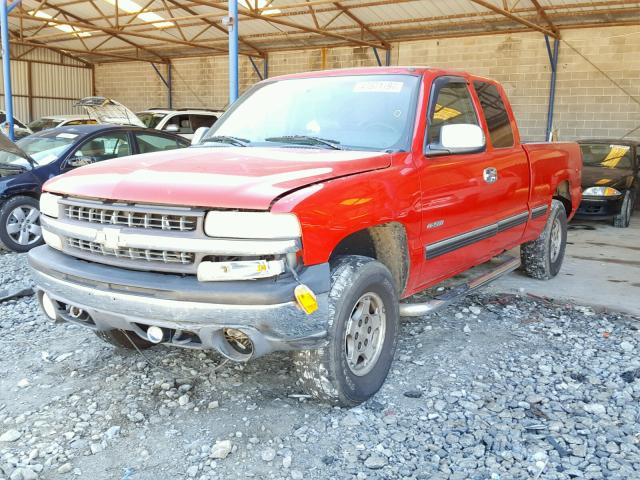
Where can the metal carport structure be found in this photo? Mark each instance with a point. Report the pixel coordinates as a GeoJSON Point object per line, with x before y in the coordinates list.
{"type": "Point", "coordinates": [157, 31]}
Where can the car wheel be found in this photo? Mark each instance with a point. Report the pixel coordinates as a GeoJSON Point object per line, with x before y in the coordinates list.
{"type": "Point", "coordinates": [20, 224]}
{"type": "Point", "coordinates": [122, 339]}
{"type": "Point", "coordinates": [362, 335]}
{"type": "Point", "coordinates": [623, 219]}
{"type": "Point", "coordinates": [542, 258]}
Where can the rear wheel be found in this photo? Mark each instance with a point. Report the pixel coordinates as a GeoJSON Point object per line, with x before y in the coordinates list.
{"type": "Point", "coordinates": [20, 224]}
{"type": "Point", "coordinates": [542, 257]}
{"type": "Point", "coordinates": [122, 339]}
{"type": "Point", "coordinates": [623, 219]}
{"type": "Point", "coordinates": [362, 334]}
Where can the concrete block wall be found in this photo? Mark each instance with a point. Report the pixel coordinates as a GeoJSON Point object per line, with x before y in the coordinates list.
{"type": "Point", "coordinates": [587, 102]}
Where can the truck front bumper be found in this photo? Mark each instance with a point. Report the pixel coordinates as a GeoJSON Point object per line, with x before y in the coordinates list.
{"type": "Point", "coordinates": [194, 314]}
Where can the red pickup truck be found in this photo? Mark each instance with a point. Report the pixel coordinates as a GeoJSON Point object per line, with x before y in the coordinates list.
{"type": "Point", "coordinates": [303, 217]}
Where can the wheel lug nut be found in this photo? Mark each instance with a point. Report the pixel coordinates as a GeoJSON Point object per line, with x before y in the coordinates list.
{"type": "Point", "coordinates": [369, 330]}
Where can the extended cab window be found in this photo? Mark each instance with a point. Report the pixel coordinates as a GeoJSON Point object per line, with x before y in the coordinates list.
{"type": "Point", "coordinates": [153, 143]}
{"type": "Point", "coordinates": [453, 105]}
{"type": "Point", "coordinates": [495, 113]}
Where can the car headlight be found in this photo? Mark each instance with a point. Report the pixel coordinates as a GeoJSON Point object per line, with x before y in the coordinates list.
{"type": "Point", "coordinates": [256, 225]}
{"type": "Point", "coordinates": [601, 192]}
{"type": "Point", "coordinates": [49, 204]}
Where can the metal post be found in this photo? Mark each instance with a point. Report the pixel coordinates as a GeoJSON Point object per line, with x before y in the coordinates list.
{"type": "Point", "coordinates": [169, 87]}
{"type": "Point", "coordinates": [233, 50]}
{"type": "Point", "coordinates": [6, 64]}
{"type": "Point", "coordinates": [255, 68]}
{"type": "Point", "coordinates": [553, 60]}
{"type": "Point", "coordinates": [375, 53]}
{"type": "Point", "coordinates": [387, 57]}
{"type": "Point", "coordinates": [265, 66]}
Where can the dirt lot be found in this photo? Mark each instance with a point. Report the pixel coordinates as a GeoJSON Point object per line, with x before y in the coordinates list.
{"type": "Point", "coordinates": [497, 387]}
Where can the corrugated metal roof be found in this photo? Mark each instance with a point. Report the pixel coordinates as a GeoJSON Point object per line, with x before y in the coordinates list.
{"type": "Point", "coordinates": [97, 31]}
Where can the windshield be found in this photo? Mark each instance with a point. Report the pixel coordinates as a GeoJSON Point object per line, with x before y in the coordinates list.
{"type": "Point", "coordinates": [151, 120]}
{"type": "Point", "coordinates": [44, 124]}
{"type": "Point", "coordinates": [42, 149]}
{"type": "Point", "coordinates": [606, 156]}
{"type": "Point", "coordinates": [365, 112]}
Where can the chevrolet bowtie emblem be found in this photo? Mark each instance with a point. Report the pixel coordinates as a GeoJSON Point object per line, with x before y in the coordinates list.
{"type": "Point", "coordinates": [109, 238]}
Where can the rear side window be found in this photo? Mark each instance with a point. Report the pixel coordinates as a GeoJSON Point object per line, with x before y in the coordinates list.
{"type": "Point", "coordinates": [453, 106]}
{"type": "Point", "coordinates": [495, 113]}
{"type": "Point", "coordinates": [198, 121]}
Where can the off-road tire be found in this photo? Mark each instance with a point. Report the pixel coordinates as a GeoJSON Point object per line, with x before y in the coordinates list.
{"type": "Point", "coordinates": [119, 339]}
{"type": "Point", "coordinates": [536, 255]}
{"type": "Point", "coordinates": [5, 210]}
{"type": "Point", "coordinates": [325, 373]}
{"type": "Point", "coordinates": [623, 219]}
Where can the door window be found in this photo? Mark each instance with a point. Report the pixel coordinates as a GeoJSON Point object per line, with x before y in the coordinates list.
{"type": "Point", "coordinates": [105, 147]}
{"type": "Point", "coordinates": [183, 123]}
{"type": "Point", "coordinates": [495, 113]}
{"type": "Point", "coordinates": [453, 105]}
{"type": "Point", "coordinates": [153, 143]}
{"type": "Point", "coordinates": [198, 121]}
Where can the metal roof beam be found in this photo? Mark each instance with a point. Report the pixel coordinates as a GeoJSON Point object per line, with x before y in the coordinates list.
{"type": "Point", "coordinates": [515, 18]}
{"type": "Point", "coordinates": [542, 12]}
{"type": "Point", "coordinates": [353, 17]}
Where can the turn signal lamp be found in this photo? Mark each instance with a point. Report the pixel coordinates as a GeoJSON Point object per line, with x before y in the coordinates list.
{"type": "Point", "coordinates": [306, 299]}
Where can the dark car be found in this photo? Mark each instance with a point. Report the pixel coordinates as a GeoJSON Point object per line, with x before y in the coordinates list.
{"type": "Point", "coordinates": [610, 180]}
{"type": "Point", "coordinates": [27, 164]}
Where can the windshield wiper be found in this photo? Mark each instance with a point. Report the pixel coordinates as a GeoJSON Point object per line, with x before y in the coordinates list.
{"type": "Point", "coordinates": [306, 140]}
{"type": "Point", "coordinates": [235, 141]}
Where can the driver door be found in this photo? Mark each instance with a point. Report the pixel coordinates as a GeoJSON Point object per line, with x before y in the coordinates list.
{"type": "Point", "coordinates": [98, 148]}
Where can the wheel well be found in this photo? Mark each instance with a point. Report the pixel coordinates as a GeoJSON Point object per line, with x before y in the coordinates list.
{"type": "Point", "coordinates": [563, 194]}
{"type": "Point", "coordinates": [387, 243]}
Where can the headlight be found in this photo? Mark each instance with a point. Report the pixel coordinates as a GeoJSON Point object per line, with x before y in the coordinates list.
{"type": "Point", "coordinates": [49, 205]}
{"type": "Point", "coordinates": [252, 225]}
{"type": "Point", "coordinates": [601, 192]}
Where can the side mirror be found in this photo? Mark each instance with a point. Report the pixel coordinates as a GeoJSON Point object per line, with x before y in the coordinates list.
{"type": "Point", "coordinates": [198, 134]}
{"type": "Point", "coordinates": [75, 162]}
{"type": "Point", "coordinates": [172, 127]}
{"type": "Point", "coordinates": [459, 138]}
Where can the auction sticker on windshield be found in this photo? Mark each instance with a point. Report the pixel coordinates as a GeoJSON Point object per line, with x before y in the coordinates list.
{"type": "Point", "coordinates": [378, 86]}
{"type": "Point", "coordinates": [67, 135]}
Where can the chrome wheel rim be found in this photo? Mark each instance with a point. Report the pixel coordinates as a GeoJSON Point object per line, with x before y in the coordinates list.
{"type": "Point", "coordinates": [556, 239]}
{"type": "Point", "coordinates": [23, 225]}
{"type": "Point", "coordinates": [365, 333]}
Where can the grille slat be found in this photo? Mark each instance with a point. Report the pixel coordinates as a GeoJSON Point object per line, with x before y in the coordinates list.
{"type": "Point", "coordinates": [132, 218]}
{"type": "Point", "coordinates": [161, 256]}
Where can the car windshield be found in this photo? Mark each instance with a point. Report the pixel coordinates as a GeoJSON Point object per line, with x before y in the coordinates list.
{"type": "Point", "coordinates": [42, 149]}
{"type": "Point", "coordinates": [606, 155]}
{"type": "Point", "coordinates": [151, 120]}
{"type": "Point", "coordinates": [44, 124]}
{"type": "Point", "coordinates": [364, 112]}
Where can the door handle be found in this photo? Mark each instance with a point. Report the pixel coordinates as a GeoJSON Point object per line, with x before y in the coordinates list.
{"type": "Point", "coordinates": [490, 175]}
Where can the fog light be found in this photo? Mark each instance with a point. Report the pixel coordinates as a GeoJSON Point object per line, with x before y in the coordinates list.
{"type": "Point", "coordinates": [155, 334]}
{"type": "Point", "coordinates": [306, 299]}
{"type": "Point", "coordinates": [49, 307]}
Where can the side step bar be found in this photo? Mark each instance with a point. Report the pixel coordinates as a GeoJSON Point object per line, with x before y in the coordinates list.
{"type": "Point", "coordinates": [459, 291]}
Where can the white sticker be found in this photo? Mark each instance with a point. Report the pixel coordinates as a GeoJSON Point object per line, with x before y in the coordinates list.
{"type": "Point", "coordinates": [378, 86]}
{"type": "Point", "coordinates": [66, 135]}
{"type": "Point", "coordinates": [48, 159]}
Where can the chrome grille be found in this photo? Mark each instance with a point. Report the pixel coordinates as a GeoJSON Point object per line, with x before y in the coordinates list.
{"type": "Point", "coordinates": [133, 217]}
{"type": "Point", "coordinates": [135, 254]}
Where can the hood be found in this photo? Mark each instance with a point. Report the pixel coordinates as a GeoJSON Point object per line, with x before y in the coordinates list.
{"type": "Point", "coordinates": [219, 177]}
{"type": "Point", "coordinates": [106, 110]}
{"type": "Point", "coordinates": [8, 153]}
{"type": "Point", "coordinates": [605, 177]}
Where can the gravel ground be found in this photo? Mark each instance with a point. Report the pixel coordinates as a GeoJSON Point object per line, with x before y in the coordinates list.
{"type": "Point", "coordinates": [496, 387]}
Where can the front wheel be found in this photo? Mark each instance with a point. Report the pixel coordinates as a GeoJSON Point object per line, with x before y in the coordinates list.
{"type": "Point", "coordinates": [542, 258]}
{"type": "Point", "coordinates": [623, 219]}
{"type": "Point", "coordinates": [20, 224]}
{"type": "Point", "coordinates": [362, 333]}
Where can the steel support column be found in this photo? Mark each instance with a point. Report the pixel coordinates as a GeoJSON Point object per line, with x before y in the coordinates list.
{"type": "Point", "coordinates": [233, 50]}
{"type": "Point", "coordinates": [256, 69]}
{"type": "Point", "coordinates": [387, 57]}
{"type": "Point", "coordinates": [375, 53]}
{"type": "Point", "coordinates": [553, 60]}
{"type": "Point", "coordinates": [169, 86]}
{"type": "Point", "coordinates": [6, 62]}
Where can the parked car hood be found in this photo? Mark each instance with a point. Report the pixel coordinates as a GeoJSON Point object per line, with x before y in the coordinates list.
{"type": "Point", "coordinates": [9, 147]}
{"type": "Point", "coordinates": [219, 177]}
{"type": "Point", "coordinates": [593, 176]}
{"type": "Point", "coordinates": [106, 110]}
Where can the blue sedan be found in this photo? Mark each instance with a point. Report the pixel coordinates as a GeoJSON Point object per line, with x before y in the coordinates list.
{"type": "Point", "coordinates": [24, 168]}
